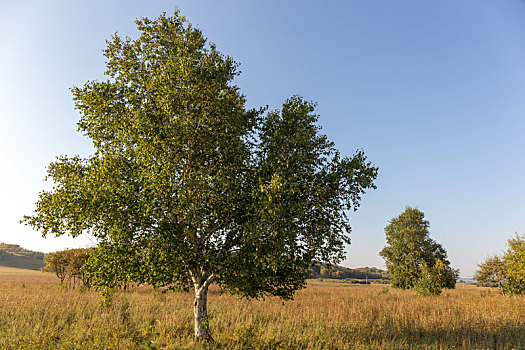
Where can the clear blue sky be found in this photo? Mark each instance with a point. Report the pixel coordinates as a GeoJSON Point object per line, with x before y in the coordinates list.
{"type": "Point", "coordinates": [432, 91]}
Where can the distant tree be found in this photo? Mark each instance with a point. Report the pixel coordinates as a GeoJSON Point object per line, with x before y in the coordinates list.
{"type": "Point", "coordinates": [491, 272]}
{"type": "Point", "coordinates": [57, 262]}
{"type": "Point", "coordinates": [340, 272]}
{"type": "Point", "coordinates": [188, 187]}
{"type": "Point", "coordinates": [77, 259]}
{"type": "Point", "coordinates": [68, 265]}
{"type": "Point", "coordinates": [410, 252]}
{"type": "Point", "coordinates": [514, 260]}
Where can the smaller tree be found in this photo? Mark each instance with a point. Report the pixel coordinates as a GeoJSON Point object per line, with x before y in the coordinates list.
{"type": "Point", "coordinates": [57, 262]}
{"type": "Point", "coordinates": [491, 272]}
{"type": "Point", "coordinates": [75, 269]}
{"type": "Point", "coordinates": [514, 262]}
{"type": "Point", "coordinates": [413, 258]}
{"type": "Point", "coordinates": [68, 265]}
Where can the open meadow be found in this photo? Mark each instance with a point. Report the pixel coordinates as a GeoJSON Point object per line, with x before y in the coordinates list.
{"type": "Point", "coordinates": [35, 313]}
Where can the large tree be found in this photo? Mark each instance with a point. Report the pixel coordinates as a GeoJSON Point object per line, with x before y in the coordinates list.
{"type": "Point", "coordinates": [411, 255]}
{"type": "Point", "coordinates": [187, 186]}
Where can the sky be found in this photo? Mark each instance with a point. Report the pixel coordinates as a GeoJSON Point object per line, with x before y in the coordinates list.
{"type": "Point", "coordinates": [432, 91]}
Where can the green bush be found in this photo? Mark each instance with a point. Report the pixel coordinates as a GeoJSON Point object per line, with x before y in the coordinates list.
{"type": "Point", "coordinates": [513, 286]}
{"type": "Point", "coordinates": [427, 284]}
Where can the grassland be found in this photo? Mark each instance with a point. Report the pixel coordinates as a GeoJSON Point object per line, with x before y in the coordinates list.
{"type": "Point", "coordinates": [4, 270]}
{"type": "Point", "coordinates": [36, 314]}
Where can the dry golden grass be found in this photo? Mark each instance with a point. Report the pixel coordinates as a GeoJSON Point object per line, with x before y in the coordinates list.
{"type": "Point", "coordinates": [36, 314]}
{"type": "Point", "coordinates": [4, 270]}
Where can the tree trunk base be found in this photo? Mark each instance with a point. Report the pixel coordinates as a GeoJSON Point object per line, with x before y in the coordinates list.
{"type": "Point", "coordinates": [202, 325]}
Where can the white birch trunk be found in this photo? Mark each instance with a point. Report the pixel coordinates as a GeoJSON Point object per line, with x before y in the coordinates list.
{"type": "Point", "coordinates": [202, 326]}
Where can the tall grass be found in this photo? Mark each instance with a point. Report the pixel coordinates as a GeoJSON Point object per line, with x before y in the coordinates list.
{"type": "Point", "coordinates": [37, 314]}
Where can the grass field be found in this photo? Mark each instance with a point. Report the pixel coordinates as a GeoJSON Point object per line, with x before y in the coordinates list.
{"type": "Point", "coordinates": [36, 314]}
{"type": "Point", "coordinates": [21, 272]}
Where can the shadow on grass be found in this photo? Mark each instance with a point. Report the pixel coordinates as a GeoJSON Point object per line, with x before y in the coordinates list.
{"type": "Point", "coordinates": [506, 336]}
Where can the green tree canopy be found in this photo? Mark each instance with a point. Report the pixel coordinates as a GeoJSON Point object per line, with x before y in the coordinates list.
{"type": "Point", "coordinates": [514, 262]}
{"type": "Point", "coordinates": [491, 272]}
{"type": "Point", "coordinates": [187, 186]}
{"type": "Point", "coordinates": [506, 272]}
{"type": "Point", "coordinates": [410, 254]}
{"type": "Point", "coordinates": [57, 262]}
{"type": "Point", "coordinates": [69, 265]}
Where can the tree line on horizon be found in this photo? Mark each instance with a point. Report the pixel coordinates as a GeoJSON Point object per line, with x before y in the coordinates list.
{"type": "Point", "coordinates": [503, 272]}
{"type": "Point", "coordinates": [72, 268]}
{"type": "Point", "coordinates": [340, 272]}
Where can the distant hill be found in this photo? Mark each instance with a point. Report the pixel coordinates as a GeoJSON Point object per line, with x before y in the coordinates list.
{"type": "Point", "coordinates": [340, 272]}
{"type": "Point", "coordinates": [12, 255]}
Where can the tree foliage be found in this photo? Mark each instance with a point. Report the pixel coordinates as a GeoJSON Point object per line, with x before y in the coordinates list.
{"type": "Point", "coordinates": [491, 272]}
{"type": "Point", "coordinates": [68, 265]}
{"type": "Point", "coordinates": [339, 272]}
{"type": "Point", "coordinates": [427, 283]}
{"type": "Point", "coordinates": [514, 262]}
{"type": "Point", "coordinates": [188, 187]}
{"type": "Point", "coordinates": [411, 255]}
{"type": "Point", "coordinates": [506, 272]}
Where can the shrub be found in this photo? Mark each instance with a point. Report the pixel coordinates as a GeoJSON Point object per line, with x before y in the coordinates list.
{"type": "Point", "coordinates": [427, 283]}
